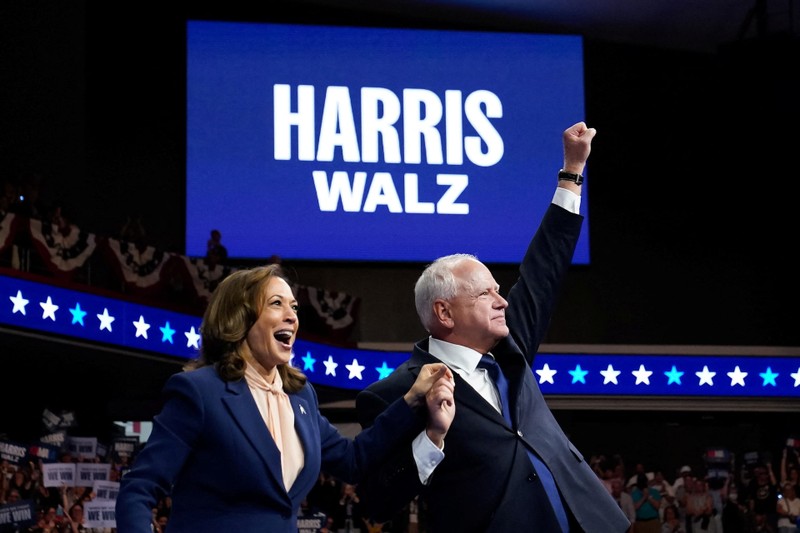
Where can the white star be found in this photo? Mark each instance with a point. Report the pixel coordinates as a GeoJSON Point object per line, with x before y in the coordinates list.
{"type": "Point", "coordinates": [642, 375]}
{"type": "Point", "coordinates": [737, 377]}
{"type": "Point", "coordinates": [49, 309]}
{"type": "Point", "coordinates": [141, 327]}
{"type": "Point", "coordinates": [610, 375]}
{"type": "Point", "coordinates": [355, 369]}
{"type": "Point", "coordinates": [330, 367]}
{"type": "Point", "coordinates": [705, 376]}
{"type": "Point", "coordinates": [192, 338]}
{"type": "Point", "coordinates": [796, 377]}
{"type": "Point", "coordinates": [302, 410]}
{"type": "Point", "coordinates": [105, 320]}
{"type": "Point", "coordinates": [19, 303]}
{"type": "Point", "coordinates": [546, 374]}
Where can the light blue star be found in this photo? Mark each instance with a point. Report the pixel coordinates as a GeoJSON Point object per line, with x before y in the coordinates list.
{"type": "Point", "coordinates": [769, 377]}
{"type": "Point", "coordinates": [578, 374]}
{"type": "Point", "coordinates": [383, 371]}
{"type": "Point", "coordinates": [77, 314]}
{"type": "Point", "coordinates": [166, 333]}
{"type": "Point", "coordinates": [308, 362]}
{"type": "Point", "coordinates": [673, 376]}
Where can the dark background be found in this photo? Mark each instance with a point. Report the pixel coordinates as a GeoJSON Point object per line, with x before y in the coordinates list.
{"type": "Point", "coordinates": [693, 192]}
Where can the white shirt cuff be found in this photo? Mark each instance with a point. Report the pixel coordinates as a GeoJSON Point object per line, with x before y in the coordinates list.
{"type": "Point", "coordinates": [427, 456]}
{"type": "Point", "coordinates": [568, 200]}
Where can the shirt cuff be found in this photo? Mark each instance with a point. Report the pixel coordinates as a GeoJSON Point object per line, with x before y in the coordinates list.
{"type": "Point", "coordinates": [427, 456]}
{"type": "Point", "coordinates": [568, 200]}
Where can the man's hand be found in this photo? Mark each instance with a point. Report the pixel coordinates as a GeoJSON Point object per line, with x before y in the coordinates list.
{"type": "Point", "coordinates": [577, 141]}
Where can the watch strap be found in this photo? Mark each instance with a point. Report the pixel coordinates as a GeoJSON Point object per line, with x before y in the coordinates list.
{"type": "Point", "coordinates": [569, 176]}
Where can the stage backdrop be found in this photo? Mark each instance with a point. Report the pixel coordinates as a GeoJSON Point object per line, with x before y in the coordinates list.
{"type": "Point", "coordinates": [356, 143]}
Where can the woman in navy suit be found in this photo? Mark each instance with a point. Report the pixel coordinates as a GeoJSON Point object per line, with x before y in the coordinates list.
{"type": "Point", "coordinates": [240, 440]}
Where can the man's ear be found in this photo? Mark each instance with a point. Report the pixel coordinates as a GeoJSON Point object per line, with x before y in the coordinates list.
{"type": "Point", "coordinates": [441, 309]}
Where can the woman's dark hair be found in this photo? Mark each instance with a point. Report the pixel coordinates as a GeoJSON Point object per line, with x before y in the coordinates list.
{"type": "Point", "coordinates": [233, 308]}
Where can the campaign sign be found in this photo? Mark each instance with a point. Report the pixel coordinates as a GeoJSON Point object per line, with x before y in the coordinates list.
{"type": "Point", "coordinates": [99, 513]}
{"type": "Point", "coordinates": [58, 474]}
{"type": "Point", "coordinates": [17, 515]}
{"type": "Point", "coordinates": [83, 447]}
{"type": "Point", "coordinates": [106, 490]}
{"type": "Point", "coordinates": [377, 144]}
{"type": "Point", "coordinates": [311, 522]}
{"type": "Point", "coordinates": [87, 474]}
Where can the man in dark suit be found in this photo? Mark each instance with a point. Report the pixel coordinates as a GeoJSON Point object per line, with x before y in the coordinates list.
{"type": "Point", "coordinates": [495, 475]}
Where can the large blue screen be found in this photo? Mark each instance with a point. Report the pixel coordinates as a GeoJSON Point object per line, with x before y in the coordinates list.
{"type": "Point", "coordinates": [374, 144]}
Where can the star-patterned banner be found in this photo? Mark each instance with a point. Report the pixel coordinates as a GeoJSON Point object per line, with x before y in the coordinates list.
{"type": "Point", "coordinates": [83, 315]}
{"type": "Point", "coordinates": [55, 310]}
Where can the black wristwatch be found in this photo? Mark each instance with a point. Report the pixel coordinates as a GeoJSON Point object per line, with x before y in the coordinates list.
{"type": "Point", "coordinates": [569, 176]}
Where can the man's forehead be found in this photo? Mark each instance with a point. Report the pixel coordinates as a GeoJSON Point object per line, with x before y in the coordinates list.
{"type": "Point", "coordinates": [475, 275]}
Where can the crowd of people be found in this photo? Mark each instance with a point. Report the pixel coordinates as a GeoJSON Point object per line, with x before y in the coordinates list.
{"type": "Point", "coordinates": [724, 495]}
{"type": "Point", "coordinates": [732, 497]}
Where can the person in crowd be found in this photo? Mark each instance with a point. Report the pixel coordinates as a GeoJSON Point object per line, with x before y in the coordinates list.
{"type": "Point", "coordinates": [665, 488]}
{"type": "Point", "coordinates": [788, 509]}
{"type": "Point", "coordinates": [734, 511]}
{"type": "Point", "coordinates": [682, 487]}
{"type": "Point", "coordinates": [240, 440]}
{"type": "Point", "coordinates": [719, 486]}
{"type": "Point", "coordinates": [624, 500]}
{"type": "Point", "coordinates": [700, 508]}
{"type": "Point", "coordinates": [498, 474]}
{"type": "Point", "coordinates": [347, 517]}
{"type": "Point", "coordinates": [74, 519]}
{"type": "Point", "coordinates": [22, 480]}
{"type": "Point", "coordinates": [684, 474]}
{"type": "Point", "coordinates": [761, 524]}
{"type": "Point", "coordinates": [48, 521]}
{"type": "Point", "coordinates": [647, 502]}
{"type": "Point", "coordinates": [762, 494]}
{"type": "Point", "coordinates": [672, 523]}
{"type": "Point", "coordinates": [790, 467]}
{"type": "Point", "coordinates": [215, 250]}
{"type": "Point", "coordinates": [639, 468]}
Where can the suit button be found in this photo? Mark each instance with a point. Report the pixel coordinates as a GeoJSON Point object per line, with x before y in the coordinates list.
{"type": "Point", "coordinates": [519, 432]}
{"type": "Point", "coordinates": [532, 477]}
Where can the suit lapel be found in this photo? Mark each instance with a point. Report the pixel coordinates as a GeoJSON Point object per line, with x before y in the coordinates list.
{"type": "Point", "coordinates": [245, 413]}
{"type": "Point", "coordinates": [464, 394]}
{"type": "Point", "coordinates": [308, 438]}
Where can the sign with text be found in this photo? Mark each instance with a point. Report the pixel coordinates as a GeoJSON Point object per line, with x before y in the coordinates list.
{"type": "Point", "coordinates": [87, 474]}
{"type": "Point", "coordinates": [356, 143]}
{"type": "Point", "coordinates": [17, 515]}
{"type": "Point", "coordinates": [58, 474]}
{"type": "Point", "coordinates": [99, 513]}
{"type": "Point", "coordinates": [83, 447]}
{"type": "Point", "coordinates": [106, 490]}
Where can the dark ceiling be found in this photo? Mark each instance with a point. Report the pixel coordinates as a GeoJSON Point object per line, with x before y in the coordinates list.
{"type": "Point", "coordinates": [686, 25]}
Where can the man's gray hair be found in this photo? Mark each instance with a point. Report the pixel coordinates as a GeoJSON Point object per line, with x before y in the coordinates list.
{"type": "Point", "coordinates": [437, 282]}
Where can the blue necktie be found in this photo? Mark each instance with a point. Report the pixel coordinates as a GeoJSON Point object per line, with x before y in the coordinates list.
{"type": "Point", "coordinates": [491, 366]}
